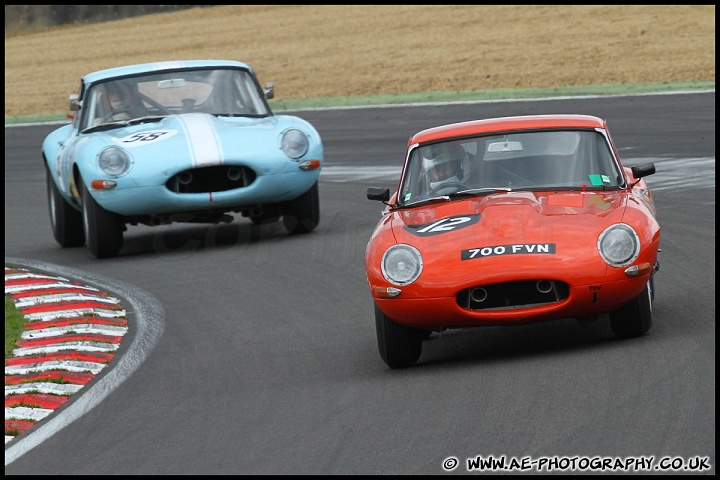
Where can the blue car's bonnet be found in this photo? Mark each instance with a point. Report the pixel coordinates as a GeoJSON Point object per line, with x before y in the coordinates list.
{"type": "Point", "coordinates": [197, 140]}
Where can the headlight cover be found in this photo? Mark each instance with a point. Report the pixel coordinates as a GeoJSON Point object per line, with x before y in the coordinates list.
{"type": "Point", "coordinates": [401, 264]}
{"type": "Point", "coordinates": [619, 245]}
{"type": "Point", "coordinates": [294, 143]}
{"type": "Point", "coordinates": [114, 161]}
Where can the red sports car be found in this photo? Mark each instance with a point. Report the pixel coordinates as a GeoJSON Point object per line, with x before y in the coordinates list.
{"type": "Point", "coordinates": [508, 221]}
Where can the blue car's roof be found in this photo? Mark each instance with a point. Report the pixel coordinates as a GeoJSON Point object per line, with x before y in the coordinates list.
{"type": "Point", "coordinates": [158, 66]}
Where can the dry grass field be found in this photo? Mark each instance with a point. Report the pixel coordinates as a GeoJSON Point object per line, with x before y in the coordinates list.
{"type": "Point", "coordinates": [314, 51]}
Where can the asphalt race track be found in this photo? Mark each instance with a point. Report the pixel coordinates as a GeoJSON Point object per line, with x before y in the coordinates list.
{"type": "Point", "coordinates": [267, 361]}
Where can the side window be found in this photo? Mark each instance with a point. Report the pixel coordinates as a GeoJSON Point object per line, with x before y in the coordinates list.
{"type": "Point", "coordinates": [92, 108]}
{"type": "Point", "coordinates": [250, 101]}
{"type": "Point", "coordinates": [603, 163]}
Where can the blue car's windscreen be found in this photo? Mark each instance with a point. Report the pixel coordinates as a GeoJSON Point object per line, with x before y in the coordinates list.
{"type": "Point", "coordinates": [224, 91]}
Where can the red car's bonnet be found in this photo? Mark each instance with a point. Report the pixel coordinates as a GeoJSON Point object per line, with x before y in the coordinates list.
{"type": "Point", "coordinates": [510, 228]}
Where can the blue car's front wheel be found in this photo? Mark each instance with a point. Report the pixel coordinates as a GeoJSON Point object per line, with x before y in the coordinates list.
{"type": "Point", "coordinates": [302, 215]}
{"type": "Point", "coordinates": [103, 229]}
{"type": "Point", "coordinates": [66, 222]}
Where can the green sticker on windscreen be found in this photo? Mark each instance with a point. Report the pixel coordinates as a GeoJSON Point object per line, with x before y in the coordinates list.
{"type": "Point", "coordinates": [595, 179]}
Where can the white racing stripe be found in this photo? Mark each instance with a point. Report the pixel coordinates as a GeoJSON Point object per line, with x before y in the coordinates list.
{"type": "Point", "coordinates": [202, 139]}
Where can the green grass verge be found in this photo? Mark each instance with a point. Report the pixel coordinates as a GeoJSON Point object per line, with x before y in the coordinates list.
{"type": "Point", "coordinates": [280, 105]}
{"type": "Point", "coordinates": [14, 326]}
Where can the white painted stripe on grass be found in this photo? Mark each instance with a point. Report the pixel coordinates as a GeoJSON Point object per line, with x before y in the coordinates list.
{"type": "Point", "coordinates": [18, 276]}
{"type": "Point", "coordinates": [79, 312]}
{"type": "Point", "coordinates": [43, 387]}
{"type": "Point", "coordinates": [27, 413]}
{"type": "Point", "coordinates": [72, 346]}
{"type": "Point", "coordinates": [38, 286]}
{"type": "Point", "coordinates": [62, 297]}
{"type": "Point", "coordinates": [148, 318]}
{"type": "Point", "coordinates": [75, 328]}
{"type": "Point", "coordinates": [67, 365]}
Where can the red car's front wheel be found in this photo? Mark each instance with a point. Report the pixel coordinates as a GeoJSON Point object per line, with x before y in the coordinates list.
{"type": "Point", "coordinates": [399, 346]}
{"type": "Point", "coordinates": [635, 318]}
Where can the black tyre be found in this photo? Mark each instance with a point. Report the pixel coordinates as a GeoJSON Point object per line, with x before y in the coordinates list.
{"type": "Point", "coordinates": [302, 215]}
{"type": "Point", "coordinates": [635, 318]}
{"type": "Point", "coordinates": [103, 229]}
{"type": "Point", "coordinates": [270, 214]}
{"type": "Point", "coordinates": [399, 346]}
{"type": "Point", "coordinates": [66, 222]}
{"type": "Point", "coordinates": [651, 285]}
{"type": "Point", "coordinates": [264, 220]}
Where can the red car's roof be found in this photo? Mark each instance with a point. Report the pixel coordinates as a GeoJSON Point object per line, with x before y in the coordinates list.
{"type": "Point", "coordinates": [506, 123]}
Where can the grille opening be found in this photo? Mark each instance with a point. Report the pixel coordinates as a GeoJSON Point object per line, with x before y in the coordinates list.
{"type": "Point", "coordinates": [512, 295]}
{"type": "Point", "coordinates": [217, 178]}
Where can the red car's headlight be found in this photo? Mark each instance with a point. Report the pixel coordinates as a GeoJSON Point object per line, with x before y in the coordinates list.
{"type": "Point", "coordinates": [619, 245]}
{"type": "Point", "coordinates": [401, 264]}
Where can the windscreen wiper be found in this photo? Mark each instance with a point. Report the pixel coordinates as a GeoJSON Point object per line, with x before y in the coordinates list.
{"type": "Point", "coordinates": [145, 119]}
{"type": "Point", "coordinates": [105, 126]}
{"type": "Point", "coordinates": [471, 192]}
{"type": "Point", "coordinates": [425, 201]}
{"type": "Point", "coordinates": [124, 123]}
{"type": "Point", "coordinates": [476, 191]}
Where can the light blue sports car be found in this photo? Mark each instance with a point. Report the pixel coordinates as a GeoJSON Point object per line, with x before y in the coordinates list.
{"type": "Point", "coordinates": [181, 141]}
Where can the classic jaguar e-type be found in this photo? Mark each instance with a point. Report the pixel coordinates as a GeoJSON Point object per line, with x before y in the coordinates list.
{"type": "Point", "coordinates": [177, 141]}
{"type": "Point", "coordinates": [508, 221]}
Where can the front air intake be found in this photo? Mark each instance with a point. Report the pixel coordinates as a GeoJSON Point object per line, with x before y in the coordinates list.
{"type": "Point", "coordinates": [513, 295]}
{"type": "Point", "coordinates": [219, 178]}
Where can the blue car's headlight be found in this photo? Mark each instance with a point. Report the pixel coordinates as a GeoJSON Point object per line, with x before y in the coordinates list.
{"type": "Point", "coordinates": [294, 143]}
{"type": "Point", "coordinates": [619, 245]}
{"type": "Point", "coordinates": [114, 161]}
{"type": "Point", "coordinates": [401, 264]}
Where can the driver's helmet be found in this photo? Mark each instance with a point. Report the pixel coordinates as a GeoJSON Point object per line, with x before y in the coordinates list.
{"type": "Point", "coordinates": [445, 164]}
{"type": "Point", "coordinates": [118, 95]}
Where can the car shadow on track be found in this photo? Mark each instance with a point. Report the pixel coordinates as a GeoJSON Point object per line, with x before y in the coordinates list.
{"type": "Point", "coordinates": [515, 343]}
{"type": "Point", "coordinates": [184, 238]}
